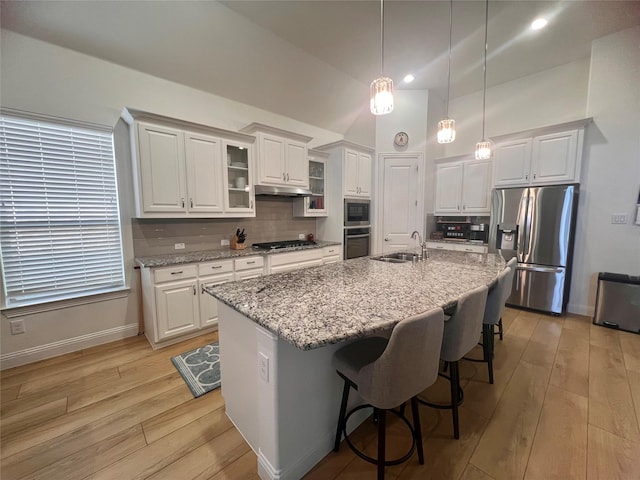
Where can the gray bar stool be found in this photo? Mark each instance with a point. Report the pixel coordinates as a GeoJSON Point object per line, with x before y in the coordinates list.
{"type": "Point", "coordinates": [459, 338]}
{"type": "Point", "coordinates": [512, 265]}
{"type": "Point", "coordinates": [496, 300]}
{"type": "Point", "coordinates": [386, 374]}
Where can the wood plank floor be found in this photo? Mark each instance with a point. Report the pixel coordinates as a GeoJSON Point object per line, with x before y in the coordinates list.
{"type": "Point", "coordinates": [565, 405]}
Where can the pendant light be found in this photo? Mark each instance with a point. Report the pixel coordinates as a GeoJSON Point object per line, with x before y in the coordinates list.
{"type": "Point", "coordinates": [483, 147]}
{"type": "Point", "coordinates": [447, 127]}
{"type": "Point", "coordinates": [381, 88]}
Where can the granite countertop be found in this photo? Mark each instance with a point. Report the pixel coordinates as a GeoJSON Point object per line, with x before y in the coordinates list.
{"type": "Point", "coordinates": [208, 255]}
{"type": "Point", "coordinates": [317, 306]}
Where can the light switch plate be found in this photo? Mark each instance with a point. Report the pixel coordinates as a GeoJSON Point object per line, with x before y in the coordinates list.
{"type": "Point", "coordinates": [224, 242]}
{"type": "Point", "coordinates": [301, 236]}
{"type": "Point", "coordinates": [179, 246]}
{"type": "Point", "coordinates": [17, 326]}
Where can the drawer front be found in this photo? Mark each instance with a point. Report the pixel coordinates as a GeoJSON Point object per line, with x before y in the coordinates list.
{"type": "Point", "coordinates": [249, 262]}
{"type": "Point", "coordinates": [215, 267]}
{"type": "Point", "coordinates": [332, 251]}
{"type": "Point", "coordinates": [295, 257]}
{"type": "Point", "coordinates": [178, 272]}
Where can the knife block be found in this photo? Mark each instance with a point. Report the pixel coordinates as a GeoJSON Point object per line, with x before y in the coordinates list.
{"type": "Point", "coordinates": [235, 245]}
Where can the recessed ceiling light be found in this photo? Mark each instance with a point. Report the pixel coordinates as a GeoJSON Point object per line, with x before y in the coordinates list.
{"type": "Point", "coordinates": [409, 78]}
{"type": "Point", "coordinates": [539, 23]}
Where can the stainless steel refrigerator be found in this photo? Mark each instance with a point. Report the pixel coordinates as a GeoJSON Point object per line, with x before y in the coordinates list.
{"type": "Point", "coordinates": [536, 225]}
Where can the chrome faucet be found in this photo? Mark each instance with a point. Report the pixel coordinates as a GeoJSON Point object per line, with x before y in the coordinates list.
{"type": "Point", "coordinates": [423, 245]}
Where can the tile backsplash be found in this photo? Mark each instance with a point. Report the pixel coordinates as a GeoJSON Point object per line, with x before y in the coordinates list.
{"type": "Point", "coordinates": [274, 220]}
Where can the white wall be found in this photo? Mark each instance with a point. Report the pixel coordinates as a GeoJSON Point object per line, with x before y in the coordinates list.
{"type": "Point", "coordinates": [611, 168]}
{"type": "Point", "coordinates": [44, 78]}
{"type": "Point", "coordinates": [554, 96]}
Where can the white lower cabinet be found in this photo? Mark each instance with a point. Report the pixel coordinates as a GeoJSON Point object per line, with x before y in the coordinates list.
{"type": "Point", "coordinates": [170, 302]}
{"type": "Point", "coordinates": [176, 305]}
{"type": "Point", "coordinates": [458, 247]}
{"type": "Point", "coordinates": [210, 274]}
{"type": "Point", "coordinates": [332, 254]}
{"type": "Point", "coordinates": [249, 267]}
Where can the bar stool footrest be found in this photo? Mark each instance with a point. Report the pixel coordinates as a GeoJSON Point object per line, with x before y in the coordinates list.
{"type": "Point", "coordinates": [375, 461]}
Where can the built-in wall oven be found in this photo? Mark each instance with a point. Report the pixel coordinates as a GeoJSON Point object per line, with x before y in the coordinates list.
{"type": "Point", "coordinates": [357, 241]}
{"type": "Point", "coordinates": [356, 212]}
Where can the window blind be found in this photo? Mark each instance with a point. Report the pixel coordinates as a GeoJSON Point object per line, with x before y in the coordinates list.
{"type": "Point", "coordinates": [59, 219]}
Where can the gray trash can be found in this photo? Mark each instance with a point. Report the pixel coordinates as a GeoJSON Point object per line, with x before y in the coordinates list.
{"type": "Point", "coordinates": [618, 302]}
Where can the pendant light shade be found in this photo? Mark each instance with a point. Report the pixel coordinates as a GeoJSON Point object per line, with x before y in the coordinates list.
{"type": "Point", "coordinates": [483, 150]}
{"type": "Point", "coordinates": [483, 147]}
{"type": "Point", "coordinates": [381, 100]}
{"type": "Point", "coordinates": [381, 96]}
{"type": "Point", "coordinates": [447, 127]}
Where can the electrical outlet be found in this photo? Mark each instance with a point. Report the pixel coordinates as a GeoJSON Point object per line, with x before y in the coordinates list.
{"type": "Point", "coordinates": [619, 218]}
{"type": "Point", "coordinates": [17, 326]}
{"type": "Point", "coordinates": [301, 236]}
{"type": "Point", "coordinates": [263, 366]}
{"type": "Point", "coordinates": [224, 243]}
{"type": "Point", "coordinates": [179, 246]}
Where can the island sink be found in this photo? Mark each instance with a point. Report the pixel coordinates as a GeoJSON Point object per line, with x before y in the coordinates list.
{"type": "Point", "coordinates": [398, 257]}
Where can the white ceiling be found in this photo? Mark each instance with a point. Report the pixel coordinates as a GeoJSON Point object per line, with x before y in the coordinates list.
{"type": "Point", "coordinates": [175, 40]}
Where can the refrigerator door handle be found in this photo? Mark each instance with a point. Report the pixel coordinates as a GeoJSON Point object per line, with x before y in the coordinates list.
{"type": "Point", "coordinates": [539, 268]}
{"type": "Point", "coordinates": [523, 222]}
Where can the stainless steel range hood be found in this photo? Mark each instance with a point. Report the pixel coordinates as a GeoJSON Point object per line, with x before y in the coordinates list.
{"type": "Point", "coordinates": [282, 191]}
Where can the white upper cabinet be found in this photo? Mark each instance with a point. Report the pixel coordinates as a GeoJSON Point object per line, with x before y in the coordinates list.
{"type": "Point", "coordinates": [179, 169]}
{"type": "Point", "coordinates": [162, 182]}
{"type": "Point", "coordinates": [554, 158]}
{"type": "Point", "coordinates": [282, 156]}
{"type": "Point", "coordinates": [357, 173]}
{"type": "Point", "coordinates": [204, 173]}
{"type": "Point", "coordinates": [463, 187]}
{"type": "Point", "coordinates": [540, 157]}
{"type": "Point", "coordinates": [315, 205]}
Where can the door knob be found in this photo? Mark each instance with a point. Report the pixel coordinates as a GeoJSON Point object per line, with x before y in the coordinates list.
{"type": "Point", "coordinates": [386, 239]}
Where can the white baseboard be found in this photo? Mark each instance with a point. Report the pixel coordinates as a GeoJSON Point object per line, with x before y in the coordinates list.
{"type": "Point", "coordinates": [586, 310]}
{"type": "Point", "coordinates": [54, 349]}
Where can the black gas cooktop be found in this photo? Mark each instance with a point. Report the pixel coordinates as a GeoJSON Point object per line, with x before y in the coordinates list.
{"type": "Point", "coordinates": [282, 244]}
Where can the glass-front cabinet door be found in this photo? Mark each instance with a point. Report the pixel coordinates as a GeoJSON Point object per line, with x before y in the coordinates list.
{"type": "Point", "coordinates": [240, 197]}
{"type": "Point", "coordinates": [316, 202]}
{"type": "Point", "coordinates": [315, 205]}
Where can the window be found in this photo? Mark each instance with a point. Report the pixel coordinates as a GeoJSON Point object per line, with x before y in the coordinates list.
{"type": "Point", "coordinates": [59, 218]}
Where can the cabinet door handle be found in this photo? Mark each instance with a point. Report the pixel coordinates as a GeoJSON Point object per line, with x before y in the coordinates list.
{"type": "Point", "coordinates": [251, 262]}
{"type": "Point", "coordinates": [526, 176]}
{"type": "Point", "coordinates": [216, 266]}
{"type": "Point", "coordinates": [251, 204]}
{"type": "Point", "coordinates": [177, 273]}
{"type": "Point", "coordinates": [284, 177]}
{"type": "Point", "coordinates": [534, 176]}
{"type": "Point", "coordinates": [191, 202]}
{"type": "Point", "coordinates": [182, 201]}
{"type": "Point", "coordinates": [464, 207]}
{"type": "Point", "coordinates": [202, 291]}
{"type": "Point", "coordinates": [194, 290]}
{"type": "Point", "coordinates": [458, 207]}
{"type": "Point", "coordinates": [287, 177]}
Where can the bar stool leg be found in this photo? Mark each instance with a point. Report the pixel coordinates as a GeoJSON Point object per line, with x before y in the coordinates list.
{"type": "Point", "coordinates": [415, 412]}
{"type": "Point", "coordinates": [343, 411]}
{"type": "Point", "coordinates": [381, 442]}
{"type": "Point", "coordinates": [487, 348]}
{"type": "Point", "coordinates": [455, 393]}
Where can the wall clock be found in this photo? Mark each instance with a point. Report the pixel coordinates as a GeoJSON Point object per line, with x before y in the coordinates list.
{"type": "Point", "coordinates": [401, 139]}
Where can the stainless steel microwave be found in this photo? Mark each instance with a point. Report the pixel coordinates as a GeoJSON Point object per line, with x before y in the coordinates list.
{"type": "Point", "coordinates": [356, 212]}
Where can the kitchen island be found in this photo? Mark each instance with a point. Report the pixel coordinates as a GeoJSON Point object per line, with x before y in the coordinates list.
{"type": "Point", "coordinates": [278, 335]}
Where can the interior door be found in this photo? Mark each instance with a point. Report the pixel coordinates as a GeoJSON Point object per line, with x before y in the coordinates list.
{"type": "Point", "coordinates": [401, 203]}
